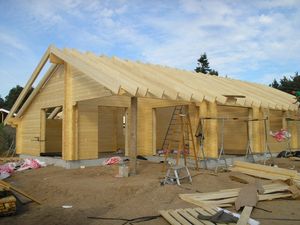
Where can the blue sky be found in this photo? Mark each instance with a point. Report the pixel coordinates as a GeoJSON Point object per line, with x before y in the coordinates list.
{"type": "Point", "coordinates": [248, 40]}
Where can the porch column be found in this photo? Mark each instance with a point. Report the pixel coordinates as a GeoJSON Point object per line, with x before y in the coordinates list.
{"type": "Point", "coordinates": [69, 121]}
{"type": "Point", "coordinates": [292, 127]}
{"type": "Point", "coordinates": [257, 130]}
{"type": "Point", "coordinates": [211, 150]}
{"type": "Point", "coordinates": [43, 131]}
{"type": "Point", "coordinates": [133, 135]}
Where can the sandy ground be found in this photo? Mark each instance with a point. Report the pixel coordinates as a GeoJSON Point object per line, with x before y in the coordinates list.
{"type": "Point", "coordinates": [95, 191]}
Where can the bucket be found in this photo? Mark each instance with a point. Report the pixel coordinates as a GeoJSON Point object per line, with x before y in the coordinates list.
{"type": "Point", "coordinates": [123, 171]}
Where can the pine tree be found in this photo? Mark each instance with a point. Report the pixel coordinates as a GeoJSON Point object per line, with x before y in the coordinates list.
{"type": "Point", "coordinates": [287, 84]}
{"type": "Point", "coordinates": [12, 96]}
{"type": "Point", "coordinates": [1, 102]}
{"type": "Point", "coordinates": [203, 66]}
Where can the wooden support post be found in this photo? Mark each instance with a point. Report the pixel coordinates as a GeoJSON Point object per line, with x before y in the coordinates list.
{"type": "Point", "coordinates": [265, 125]}
{"type": "Point", "coordinates": [292, 127]}
{"type": "Point", "coordinates": [133, 135]}
{"type": "Point", "coordinates": [284, 122]}
{"type": "Point", "coordinates": [43, 131]}
{"type": "Point", "coordinates": [203, 113]}
{"type": "Point", "coordinates": [127, 131]}
{"type": "Point", "coordinates": [211, 143]}
{"type": "Point", "coordinates": [19, 138]}
{"type": "Point", "coordinates": [250, 129]}
{"type": "Point", "coordinates": [154, 131]}
{"type": "Point", "coordinates": [256, 130]}
{"type": "Point", "coordinates": [70, 151]}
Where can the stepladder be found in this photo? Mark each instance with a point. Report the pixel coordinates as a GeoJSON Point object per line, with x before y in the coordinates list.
{"type": "Point", "coordinates": [177, 173]}
{"type": "Point", "coordinates": [179, 140]}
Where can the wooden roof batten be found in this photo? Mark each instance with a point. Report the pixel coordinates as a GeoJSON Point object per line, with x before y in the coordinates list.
{"type": "Point", "coordinates": [123, 77]}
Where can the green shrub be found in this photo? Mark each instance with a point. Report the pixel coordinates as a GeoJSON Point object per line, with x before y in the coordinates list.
{"type": "Point", "coordinates": [7, 137]}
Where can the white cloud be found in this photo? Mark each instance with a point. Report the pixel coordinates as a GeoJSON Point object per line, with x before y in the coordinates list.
{"type": "Point", "coordinates": [11, 41]}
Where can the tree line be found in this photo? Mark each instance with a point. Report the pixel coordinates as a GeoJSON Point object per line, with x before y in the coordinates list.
{"type": "Point", "coordinates": [13, 94]}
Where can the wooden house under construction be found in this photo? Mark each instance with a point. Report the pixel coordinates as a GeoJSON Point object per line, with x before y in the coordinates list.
{"type": "Point", "coordinates": [86, 106]}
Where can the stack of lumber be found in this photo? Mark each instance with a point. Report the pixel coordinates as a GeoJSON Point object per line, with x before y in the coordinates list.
{"type": "Point", "coordinates": [266, 172]}
{"type": "Point", "coordinates": [189, 216]}
{"type": "Point", "coordinates": [8, 205]}
{"type": "Point", "coordinates": [226, 197]}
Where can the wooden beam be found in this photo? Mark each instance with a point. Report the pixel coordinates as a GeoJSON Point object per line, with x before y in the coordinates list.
{"type": "Point", "coordinates": [43, 130]}
{"type": "Point", "coordinates": [69, 121]}
{"type": "Point", "coordinates": [245, 216]}
{"type": "Point", "coordinates": [257, 133]}
{"type": "Point", "coordinates": [203, 113]}
{"type": "Point", "coordinates": [127, 131]}
{"type": "Point", "coordinates": [293, 129]}
{"type": "Point", "coordinates": [212, 132]}
{"type": "Point", "coordinates": [54, 112]}
{"type": "Point", "coordinates": [154, 131]}
{"type": "Point", "coordinates": [54, 59]}
{"type": "Point", "coordinates": [27, 87]}
{"type": "Point", "coordinates": [19, 143]}
{"type": "Point", "coordinates": [133, 135]}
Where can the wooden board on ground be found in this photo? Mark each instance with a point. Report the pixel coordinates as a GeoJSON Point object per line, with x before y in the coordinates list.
{"type": "Point", "coordinates": [226, 197]}
{"type": "Point", "coordinates": [189, 216]}
{"type": "Point", "coordinates": [10, 187]}
{"type": "Point", "coordinates": [266, 172]}
{"type": "Point", "coordinates": [241, 178]}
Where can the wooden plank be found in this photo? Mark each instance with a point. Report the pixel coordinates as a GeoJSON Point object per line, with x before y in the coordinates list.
{"type": "Point", "coordinates": [189, 217]}
{"type": "Point", "coordinates": [154, 128]}
{"type": "Point", "coordinates": [133, 135]}
{"type": "Point", "coordinates": [10, 187]}
{"type": "Point", "coordinates": [54, 59]}
{"type": "Point", "coordinates": [179, 218]}
{"type": "Point", "coordinates": [168, 217]}
{"type": "Point", "coordinates": [260, 174]}
{"type": "Point", "coordinates": [54, 112]}
{"type": "Point", "coordinates": [195, 214]}
{"type": "Point", "coordinates": [241, 178]}
{"type": "Point", "coordinates": [269, 169]}
{"type": "Point", "coordinates": [245, 216]}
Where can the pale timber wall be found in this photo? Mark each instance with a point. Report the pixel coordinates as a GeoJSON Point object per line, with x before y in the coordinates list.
{"type": "Point", "coordinates": [111, 134]}
{"type": "Point", "coordinates": [235, 131]}
{"type": "Point", "coordinates": [51, 95]}
{"type": "Point", "coordinates": [276, 123]}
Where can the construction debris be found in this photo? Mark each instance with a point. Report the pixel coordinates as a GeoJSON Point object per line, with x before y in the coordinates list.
{"type": "Point", "coordinates": [247, 198]}
{"type": "Point", "coordinates": [112, 160]}
{"type": "Point", "coordinates": [7, 205]}
{"type": "Point", "coordinates": [226, 197]}
{"type": "Point", "coordinates": [204, 215]}
{"type": "Point", "coordinates": [9, 187]}
{"type": "Point", "coordinates": [266, 172]}
{"type": "Point", "coordinates": [23, 164]}
{"type": "Point", "coordinates": [241, 178]}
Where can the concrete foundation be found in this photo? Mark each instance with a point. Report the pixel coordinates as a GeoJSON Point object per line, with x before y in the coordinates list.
{"type": "Point", "coordinates": [211, 163]}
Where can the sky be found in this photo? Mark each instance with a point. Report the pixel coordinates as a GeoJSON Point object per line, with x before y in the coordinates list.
{"type": "Point", "coordinates": [252, 40]}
